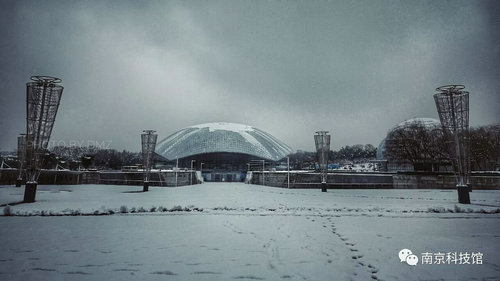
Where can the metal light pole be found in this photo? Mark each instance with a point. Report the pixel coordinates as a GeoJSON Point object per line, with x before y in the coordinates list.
{"type": "Point", "coordinates": [452, 104]}
{"type": "Point", "coordinates": [191, 172]}
{"type": "Point", "coordinates": [57, 166]}
{"type": "Point", "coordinates": [21, 156]}
{"type": "Point", "coordinates": [201, 171]}
{"type": "Point", "coordinates": [322, 142]}
{"type": "Point", "coordinates": [288, 171]}
{"type": "Point", "coordinates": [176, 170]}
{"type": "Point", "coordinates": [148, 140]}
{"type": "Point", "coordinates": [78, 174]}
{"type": "Point", "coordinates": [263, 164]}
{"type": "Point", "coordinates": [43, 95]}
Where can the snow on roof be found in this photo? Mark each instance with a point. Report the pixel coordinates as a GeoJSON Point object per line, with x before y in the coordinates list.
{"type": "Point", "coordinates": [235, 127]}
{"type": "Point", "coordinates": [428, 122]}
{"type": "Point", "coordinates": [222, 137]}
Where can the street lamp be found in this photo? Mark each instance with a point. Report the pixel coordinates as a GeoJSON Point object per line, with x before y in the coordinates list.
{"type": "Point", "coordinates": [452, 103]}
{"type": "Point", "coordinates": [201, 171]}
{"type": "Point", "coordinates": [322, 142]}
{"type": "Point", "coordinates": [21, 156]}
{"type": "Point", "coordinates": [288, 171]}
{"type": "Point", "coordinates": [57, 166]}
{"type": "Point", "coordinates": [263, 164]}
{"type": "Point", "coordinates": [78, 174]}
{"type": "Point", "coordinates": [148, 141]}
{"type": "Point", "coordinates": [43, 95]}
{"type": "Point", "coordinates": [191, 172]}
{"type": "Point", "coordinates": [176, 170]}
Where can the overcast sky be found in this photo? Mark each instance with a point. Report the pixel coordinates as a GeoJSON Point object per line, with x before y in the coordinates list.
{"type": "Point", "coordinates": [354, 68]}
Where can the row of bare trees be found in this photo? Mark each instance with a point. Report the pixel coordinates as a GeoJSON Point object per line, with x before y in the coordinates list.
{"type": "Point", "coordinates": [426, 146]}
{"type": "Point", "coordinates": [347, 154]}
{"type": "Point", "coordinates": [89, 157]}
{"type": "Point", "coordinates": [485, 147]}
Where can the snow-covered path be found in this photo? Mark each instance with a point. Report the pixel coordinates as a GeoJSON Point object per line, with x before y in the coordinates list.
{"type": "Point", "coordinates": [244, 232]}
{"type": "Point", "coordinates": [185, 247]}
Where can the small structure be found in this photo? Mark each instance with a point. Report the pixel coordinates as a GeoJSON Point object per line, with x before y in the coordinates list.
{"type": "Point", "coordinates": [322, 142]}
{"type": "Point", "coordinates": [43, 95]}
{"type": "Point", "coordinates": [148, 139]}
{"type": "Point", "coordinates": [21, 157]}
{"type": "Point", "coordinates": [452, 104]}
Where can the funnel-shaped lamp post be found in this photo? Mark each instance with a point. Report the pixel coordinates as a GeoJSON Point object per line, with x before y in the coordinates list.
{"type": "Point", "coordinates": [322, 142]}
{"type": "Point", "coordinates": [43, 95]}
{"type": "Point", "coordinates": [452, 104]}
{"type": "Point", "coordinates": [148, 139]}
{"type": "Point", "coordinates": [21, 157]}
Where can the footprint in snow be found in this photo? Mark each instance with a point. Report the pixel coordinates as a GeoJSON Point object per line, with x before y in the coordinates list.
{"type": "Point", "coordinates": [78, 273]}
{"type": "Point", "coordinates": [125, 269]}
{"type": "Point", "coordinates": [205, 272]}
{"type": "Point", "coordinates": [164, 272]}
{"type": "Point", "coordinates": [42, 269]}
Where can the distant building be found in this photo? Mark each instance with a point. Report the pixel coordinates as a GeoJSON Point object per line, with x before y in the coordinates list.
{"type": "Point", "coordinates": [225, 149]}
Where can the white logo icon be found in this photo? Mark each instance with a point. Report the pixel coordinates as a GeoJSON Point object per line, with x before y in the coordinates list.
{"type": "Point", "coordinates": [412, 260]}
{"type": "Point", "coordinates": [407, 256]}
{"type": "Point", "coordinates": [403, 254]}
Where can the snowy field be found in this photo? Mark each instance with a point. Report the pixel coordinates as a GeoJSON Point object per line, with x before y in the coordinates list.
{"type": "Point", "coordinates": [234, 231]}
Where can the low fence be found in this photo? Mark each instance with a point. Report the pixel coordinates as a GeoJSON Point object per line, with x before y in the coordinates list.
{"type": "Point", "coordinates": [313, 180]}
{"type": "Point", "coordinates": [344, 180]}
{"type": "Point", "coordinates": [159, 178]}
{"type": "Point", "coordinates": [9, 176]}
{"type": "Point", "coordinates": [413, 180]}
{"type": "Point", "coordinates": [403, 180]}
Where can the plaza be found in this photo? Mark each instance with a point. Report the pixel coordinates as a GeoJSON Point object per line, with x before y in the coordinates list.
{"type": "Point", "coordinates": [236, 231]}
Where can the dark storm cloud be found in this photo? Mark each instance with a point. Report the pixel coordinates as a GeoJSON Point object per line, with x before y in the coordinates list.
{"type": "Point", "coordinates": [354, 68]}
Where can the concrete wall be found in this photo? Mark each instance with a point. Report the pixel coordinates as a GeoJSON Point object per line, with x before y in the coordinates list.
{"type": "Point", "coordinates": [313, 180]}
{"type": "Point", "coordinates": [163, 178]}
{"type": "Point", "coordinates": [408, 180]}
{"type": "Point", "coordinates": [9, 176]}
{"type": "Point", "coordinates": [444, 180]}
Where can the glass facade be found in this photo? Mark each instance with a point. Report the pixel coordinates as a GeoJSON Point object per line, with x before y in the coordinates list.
{"type": "Point", "coordinates": [222, 138]}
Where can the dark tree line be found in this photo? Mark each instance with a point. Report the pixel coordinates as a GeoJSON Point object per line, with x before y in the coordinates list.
{"type": "Point", "coordinates": [92, 157]}
{"type": "Point", "coordinates": [485, 147]}
{"type": "Point", "coordinates": [354, 153]}
{"type": "Point", "coordinates": [351, 154]}
{"type": "Point", "coordinates": [426, 147]}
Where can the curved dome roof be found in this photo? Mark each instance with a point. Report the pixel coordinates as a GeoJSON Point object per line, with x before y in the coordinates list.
{"type": "Point", "coordinates": [427, 122]}
{"type": "Point", "coordinates": [381, 150]}
{"type": "Point", "coordinates": [222, 137]}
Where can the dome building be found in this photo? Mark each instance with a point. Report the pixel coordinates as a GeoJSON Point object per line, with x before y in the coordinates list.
{"type": "Point", "coordinates": [429, 123]}
{"type": "Point", "coordinates": [225, 149]}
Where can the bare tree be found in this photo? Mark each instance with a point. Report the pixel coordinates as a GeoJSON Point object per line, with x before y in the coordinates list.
{"type": "Point", "coordinates": [485, 147]}
{"type": "Point", "coordinates": [418, 144]}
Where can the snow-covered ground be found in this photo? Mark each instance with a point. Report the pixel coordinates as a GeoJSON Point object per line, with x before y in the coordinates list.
{"type": "Point", "coordinates": [233, 231]}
